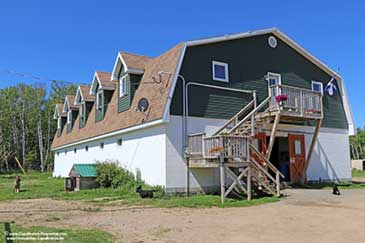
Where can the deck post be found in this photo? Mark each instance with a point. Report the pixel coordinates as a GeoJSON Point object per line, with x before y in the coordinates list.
{"type": "Point", "coordinates": [248, 183]}
{"type": "Point", "coordinates": [311, 149]}
{"type": "Point", "coordinates": [277, 184]}
{"type": "Point", "coordinates": [272, 135]}
{"type": "Point", "coordinates": [222, 174]}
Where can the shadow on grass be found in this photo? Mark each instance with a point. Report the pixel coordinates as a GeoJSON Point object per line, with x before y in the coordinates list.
{"type": "Point", "coordinates": [329, 185]}
{"type": "Point", "coordinates": [7, 232]}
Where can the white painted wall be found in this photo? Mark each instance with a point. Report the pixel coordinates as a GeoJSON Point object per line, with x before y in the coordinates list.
{"type": "Point", "coordinates": [143, 149]}
{"type": "Point", "coordinates": [331, 157]}
{"type": "Point", "coordinates": [176, 171]}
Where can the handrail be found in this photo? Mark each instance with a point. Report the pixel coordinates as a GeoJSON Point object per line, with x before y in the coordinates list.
{"type": "Point", "coordinates": [235, 117]}
{"type": "Point", "coordinates": [294, 87]}
{"type": "Point", "coordinates": [270, 165]}
{"type": "Point", "coordinates": [250, 114]}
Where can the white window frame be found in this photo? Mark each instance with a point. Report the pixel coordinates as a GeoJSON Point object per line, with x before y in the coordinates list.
{"type": "Point", "coordinates": [226, 79]}
{"type": "Point", "coordinates": [59, 123]}
{"type": "Point", "coordinates": [83, 109]}
{"type": "Point", "coordinates": [318, 83]}
{"type": "Point", "coordinates": [123, 85]}
{"type": "Point", "coordinates": [99, 103]}
{"type": "Point", "coordinates": [69, 116]}
{"type": "Point", "coordinates": [271, 74]}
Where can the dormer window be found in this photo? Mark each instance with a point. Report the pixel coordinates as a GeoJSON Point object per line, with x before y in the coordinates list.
{"type": "Point", "coordinates": [123, 86]}
{"type": "Point", "coordinates": [69, 117]}
{"type": "Point", "coordinates": [59, 123]}
{"type": "Point", "coordinates": [83, 109]}
{"type": "Point", "coordinates": [99, 100]}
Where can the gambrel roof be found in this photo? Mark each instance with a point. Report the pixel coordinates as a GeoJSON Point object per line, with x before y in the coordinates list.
{"type": "Point", "coordinates": [166, 66]}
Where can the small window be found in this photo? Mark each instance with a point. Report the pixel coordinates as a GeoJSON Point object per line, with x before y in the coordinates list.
{"type": "Point", "coordinates": [83, 109]}
{"type": "Point", "coordinates": [87, 148]}
{"type": "Point", "coordinates": [273, 79]}
{"type": "Point", "coordinates": [65, 151]}
{"type": "Point", "coordinates": [119, 142]}
{"type": "Point", "coordinates": [220, 71]}
{"type": "Point", "coordinates": [101, 145]}
{"type": "Point", "coordinates": [69, 116]}
{"type": "Point", "coordinates": [317, 87]}
{"type": "Point", "coordinates": [123, 86]}
{"type": "Point", "coordinates": [59, 123]}
{"type": "Point", "coordinates": [58, 153]}
{"type": "Point", "coordinates": [298, 147]}
{"type": "Point", "coordinates": [75, 150]}
{"type": "Point", "coordinates": [99, 100]}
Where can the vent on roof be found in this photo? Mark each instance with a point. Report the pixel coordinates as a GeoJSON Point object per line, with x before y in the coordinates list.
{"type": "Point", "coordinates": [272, 41]}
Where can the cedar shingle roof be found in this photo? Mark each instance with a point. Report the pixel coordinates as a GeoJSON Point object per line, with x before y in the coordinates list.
{"type": "Point", "coordinates": [135, 61]}
{"type": "Point", "coordinates": [105, 79]}
{"type": "Point", "coordinates": [156, 93]}
{"type": "Point", "coordinates": [59, 108]}
{"type": "Point", "coordinates": [85, 92]}
{"type": "Point", "coordinates": [71, 102]}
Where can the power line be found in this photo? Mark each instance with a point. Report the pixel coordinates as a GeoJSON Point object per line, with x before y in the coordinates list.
{"type": "Point", "coordinates": [31, 76]}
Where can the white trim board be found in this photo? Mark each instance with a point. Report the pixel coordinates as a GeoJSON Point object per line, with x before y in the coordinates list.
{"type": "Point", "coordinates": [118, 132]}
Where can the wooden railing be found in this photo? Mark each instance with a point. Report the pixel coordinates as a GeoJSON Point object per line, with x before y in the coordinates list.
{"type": "Point", "coordinates": [236, 118]}
{"type": "Point", "coordinates": [270, 167]}
{"type": "Point", "coordinates": [300, 102]}
{"type": "Point", "coordinates": [212, 147]}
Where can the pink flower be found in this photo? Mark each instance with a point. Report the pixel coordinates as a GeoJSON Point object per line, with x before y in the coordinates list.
{"type": "Point", "coordinates": [280, 98]}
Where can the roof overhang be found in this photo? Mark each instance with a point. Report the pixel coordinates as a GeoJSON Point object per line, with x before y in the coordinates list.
{"type": "Point", "coordinates": [285, 39]}
{"type": "Point", "coordinates": [119, 62]}
{"type": "Point", "coordinates": [78, 96]}
{"type": "Point", "coordinates": [94, 84]}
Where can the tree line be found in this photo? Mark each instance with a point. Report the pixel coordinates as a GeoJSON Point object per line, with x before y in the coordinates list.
{"type": "Point", "coordinates": [27, 127]}
{"type": "Point", "coordinates": [357, 144]}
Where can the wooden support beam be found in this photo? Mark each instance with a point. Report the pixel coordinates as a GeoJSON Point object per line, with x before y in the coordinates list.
{"type": "Point", "coordinates": [272, 135]}
{"type": "Point", "coordinates": [277, 184]}
{"type": "Point", "coordinates": [223, 183]}
{"type": "Point", "coordinates": [311, 149]}
{"type": "Point", "coordinates": [249, 183]}
{"type": "Point", "coordinates": [233, 176]}
{"type": "Point", "coordinates": [236, 181]}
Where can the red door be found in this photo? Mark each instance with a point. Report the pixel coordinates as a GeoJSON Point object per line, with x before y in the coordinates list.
{"type": "Point", "coordinates": [259, 143]}
{"type": "Point", "coordinates": [297, 157]}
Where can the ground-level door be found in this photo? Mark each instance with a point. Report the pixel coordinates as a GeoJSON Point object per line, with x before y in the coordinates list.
{"type": "Point", "coordinates": [297, 157]}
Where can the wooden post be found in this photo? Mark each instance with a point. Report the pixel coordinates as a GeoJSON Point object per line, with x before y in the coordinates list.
{"type": "Point", "coordinates": [277, 184]}
{"type": "Point", "coordinates": [272, 135]}
{"type": "Point", "coordinates": [249, 183]}
{"type": "Point", "coordinates": [311, 149]}
{"type": "Point", "coordinates": [223, 183]}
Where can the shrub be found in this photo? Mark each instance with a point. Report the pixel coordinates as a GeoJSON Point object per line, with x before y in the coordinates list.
{"type": "Point", "coordinates": [110, 174]}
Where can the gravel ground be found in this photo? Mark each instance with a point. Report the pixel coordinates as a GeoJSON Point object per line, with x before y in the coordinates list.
{"type": "Point", "coordinates": [303, 216]}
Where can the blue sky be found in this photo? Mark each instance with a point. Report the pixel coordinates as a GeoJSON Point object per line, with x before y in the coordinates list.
{"type": "Point", "coordinates": [69, 40]}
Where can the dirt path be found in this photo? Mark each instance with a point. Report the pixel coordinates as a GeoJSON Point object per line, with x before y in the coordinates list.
{"type": "Point", "coordinates": [304, 216]}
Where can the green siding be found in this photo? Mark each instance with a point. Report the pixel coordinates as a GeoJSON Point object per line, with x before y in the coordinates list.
{"type": "Point", "coordinates": [83, 119]}
{"type": "Point", "coordinates": [249, 61]}
{"type": "Point", "coordinates": [125, 102]}
{"type": "Point", "coordinates": [73, 119]}
{"type": "Point", "coordinates": [100, 113]}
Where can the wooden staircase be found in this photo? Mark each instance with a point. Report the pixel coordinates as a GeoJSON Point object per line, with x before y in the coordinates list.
{"type": "Point", "coordinates": [243, 168]}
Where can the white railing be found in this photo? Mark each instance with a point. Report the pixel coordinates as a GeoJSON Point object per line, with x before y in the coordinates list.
{"type": "Point", "coordinates": [213, 147]}
{"type": "Point", "coordinates": [300, 102]}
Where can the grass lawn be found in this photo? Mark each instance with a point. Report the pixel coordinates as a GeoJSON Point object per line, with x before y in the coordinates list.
{"type": "Point", "coordinates": [37, 185]}
{"type": "Point", "coordinates": [358, 173]}
{"type": "Point", "coordinates": [68, 235]}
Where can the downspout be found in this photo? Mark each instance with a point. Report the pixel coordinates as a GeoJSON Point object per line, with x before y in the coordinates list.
{"type": "Point", "coordinates": [184, 134]}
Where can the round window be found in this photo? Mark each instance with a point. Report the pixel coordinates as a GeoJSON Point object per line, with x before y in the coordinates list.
{"type": "Point", "coordinates": [272, 41]}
